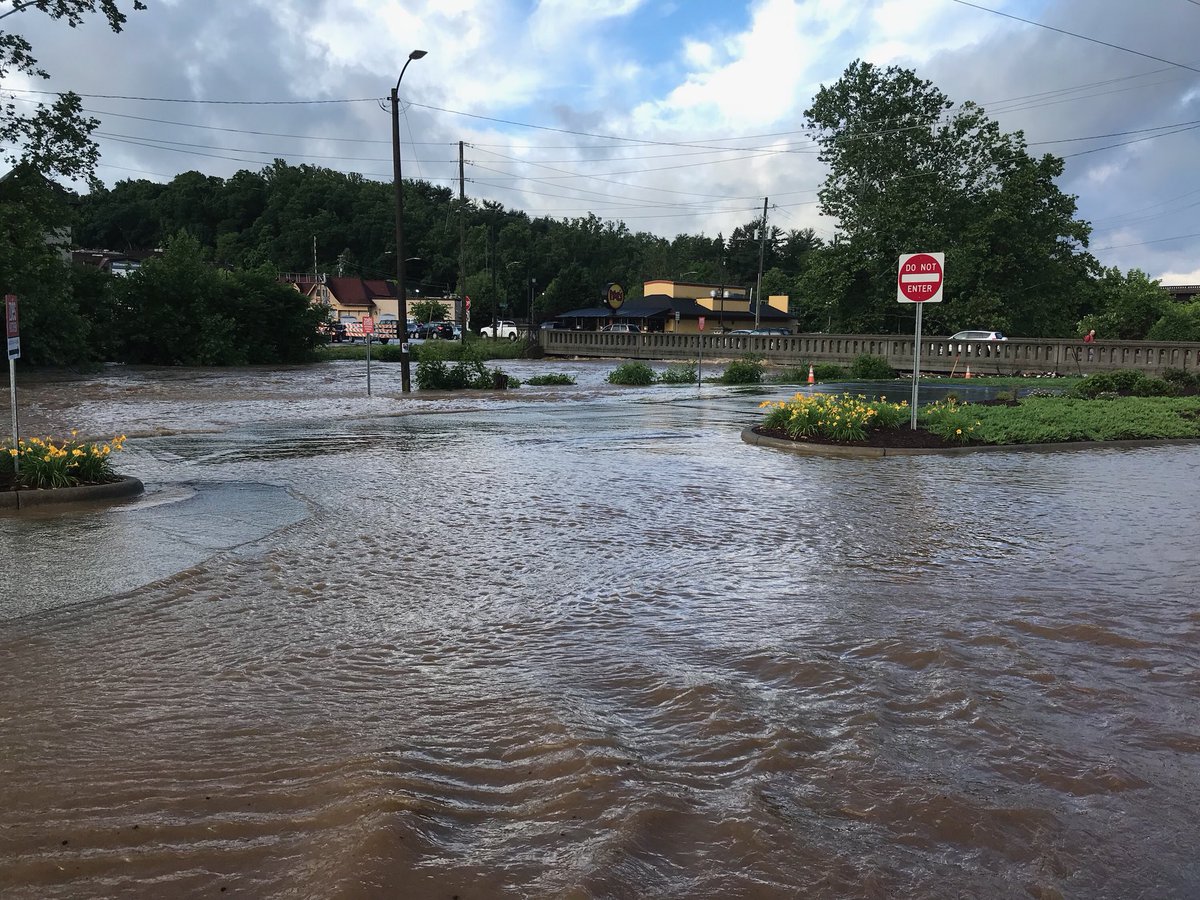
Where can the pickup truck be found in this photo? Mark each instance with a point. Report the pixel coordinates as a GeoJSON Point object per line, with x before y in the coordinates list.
{"type": "Point", "coordinates": [505, 328]}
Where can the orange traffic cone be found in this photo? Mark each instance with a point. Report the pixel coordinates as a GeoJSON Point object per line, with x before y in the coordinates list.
{"type": "Point", "coordinates": [968, 375]}
{"type": "Point", "coordinates": [811, 379]}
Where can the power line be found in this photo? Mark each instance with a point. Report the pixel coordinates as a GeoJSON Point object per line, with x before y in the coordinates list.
{"type": "Point", "coordinates": [1082, 37]}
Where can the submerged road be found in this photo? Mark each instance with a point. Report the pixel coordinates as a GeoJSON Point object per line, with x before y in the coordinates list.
{"type": "Point", "coordinates": [585, 642]}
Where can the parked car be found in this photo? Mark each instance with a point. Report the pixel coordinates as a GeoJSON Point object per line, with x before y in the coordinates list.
{"type": "Point", "coordinates": [771, 331]}
{"type": "Point", "coordinates": [505, 328]}
{"type": "Point", "coordinates": [622, 328]}
{"type": "Point", "coordinates": [435, 331]}
{"type": "Point", "coordinates": [978, 336]}
{"type": "Point", "coordinates": [741, 331]}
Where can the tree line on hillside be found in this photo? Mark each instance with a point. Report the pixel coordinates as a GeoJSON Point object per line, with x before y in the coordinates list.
{"type": "Point", "coordinates": [907, 170]}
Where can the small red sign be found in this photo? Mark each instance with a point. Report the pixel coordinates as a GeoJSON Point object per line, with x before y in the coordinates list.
{"type": "Point", "coordinates": [368, 325]}
{"type": "Point", "coordinates": [468, 304]}
{"type": "Point", "coordinates": [701, 325]}
{"type": "Point", "coordinates": [10, 316]}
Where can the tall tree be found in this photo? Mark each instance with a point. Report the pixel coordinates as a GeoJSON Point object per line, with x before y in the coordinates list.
{"type": "Point", "coordinates": [56, 139]}
{"type": "Point", "coordinates": [908, 172]}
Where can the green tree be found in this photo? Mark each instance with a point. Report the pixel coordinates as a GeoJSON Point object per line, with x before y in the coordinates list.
{"type": "Point", "coordinates": [56, 139]}
{"type": "Point", "coordinates": [426, 310]}
{"type": "Point", "coordinates": [1128, 305]}
{"type": "Point", "coordinates": [906, 173]}
{"type": "Point", "coordinates": [1180, 322]}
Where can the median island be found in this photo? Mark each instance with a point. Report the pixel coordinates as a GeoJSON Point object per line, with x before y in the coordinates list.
{"type": "Point", "coordinates": [1119, 406]}
{"type": "Point", "coordinates": [39, 471]}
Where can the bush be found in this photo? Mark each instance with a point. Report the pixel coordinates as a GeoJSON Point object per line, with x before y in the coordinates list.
{"type": "Point", "coordinates": [1123, 381]}
{"type": "Point", "coordinates": [678, 373]}
{"type": "Point", "coordinates": [434, 372]}
{"type": "Point", "coordinates": [871, 367]}
{"type": "Point", "coordinates": [821, 372]}
{"type": "Point", "coordinates": [1183, 379]}
{"type": "Point", "coordinates": [547, 380]}
{"type": "Point", "coordinates": [632, 373]}
{"type": "Point", "coordinates": [747, 370]}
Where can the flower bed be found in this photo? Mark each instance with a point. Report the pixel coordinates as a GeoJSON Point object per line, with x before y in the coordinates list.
{"type": "Point", "coordinates": [41, 463]}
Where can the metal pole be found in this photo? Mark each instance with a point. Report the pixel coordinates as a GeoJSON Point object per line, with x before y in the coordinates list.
{"type": "Point", "coordinates": [368, 365]}
{"type": "Point", "coordinates": [699, 359]}
{"type": "Point", "coordinates": [12, 387]}
{"type": "Point", "coordinates": [916, 368]}
{"type": "Point", "coordinates": [401, 294]}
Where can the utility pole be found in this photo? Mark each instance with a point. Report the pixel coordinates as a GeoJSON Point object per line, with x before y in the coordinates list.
{"type": "Point", "coordinates": [495, 299]}
{"type": "Point", "coordinates": [762, 249]}
{"type": "Point", "coordinates": [462, 243]}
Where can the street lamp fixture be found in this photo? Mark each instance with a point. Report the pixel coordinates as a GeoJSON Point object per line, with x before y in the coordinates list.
{"type": "Point", "coordinates": [401, 294]}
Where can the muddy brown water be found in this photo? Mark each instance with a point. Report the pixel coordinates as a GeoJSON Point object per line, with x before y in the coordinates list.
{"type": "Point", "coordinates": [584, 642]}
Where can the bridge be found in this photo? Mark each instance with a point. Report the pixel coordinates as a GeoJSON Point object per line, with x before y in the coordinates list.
{"type": "Point", "coordinates": [938, 354]}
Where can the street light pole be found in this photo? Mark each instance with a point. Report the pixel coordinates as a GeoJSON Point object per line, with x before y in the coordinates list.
{"type": "Point", "coordinates": [401, 295]}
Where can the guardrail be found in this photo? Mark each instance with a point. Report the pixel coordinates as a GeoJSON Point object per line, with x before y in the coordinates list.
{"type": "Point", "coordinates": [938, 354]}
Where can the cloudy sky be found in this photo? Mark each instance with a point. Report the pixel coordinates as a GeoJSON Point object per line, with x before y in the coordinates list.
{"type": "Point", "coordinates": [671, 115]}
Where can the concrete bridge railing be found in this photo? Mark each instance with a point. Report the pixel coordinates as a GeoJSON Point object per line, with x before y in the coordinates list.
{"type": "Point", "coordinates": [938, 354]}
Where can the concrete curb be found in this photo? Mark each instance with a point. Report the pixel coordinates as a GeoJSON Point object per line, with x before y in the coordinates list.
{"type": "Point", "coordinates": [839, 450]}
{"type": "Point", "coordinates": [125, 486]}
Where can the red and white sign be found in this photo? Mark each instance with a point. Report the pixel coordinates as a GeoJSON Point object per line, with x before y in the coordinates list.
{"type": "Point", "coordinates": [701, 324]}
{"type": "Point", "coordinates": [11, 326]}
{"type": "Point", "coordinates": [468, 303]}
{"type": "Point", "coordinates": [368, 325]}
{"type": "Point", "coordinates": [919, 279]}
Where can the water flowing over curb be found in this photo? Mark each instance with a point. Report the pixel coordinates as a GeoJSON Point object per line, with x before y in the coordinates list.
{"type": "Point", "coordinates": [751, 437]}
{"type": "Point", "coordinates": [124, 487]}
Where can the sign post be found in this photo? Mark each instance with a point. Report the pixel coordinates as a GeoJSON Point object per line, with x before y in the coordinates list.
{"type": "Point", "coordinates": [12, 329]}
{"type": "Point", "coordinates": [368, 329]}
{"type": "Point", "coordinates": [919, 280]}
{"type": "Point", "coordinates": [700, 352]}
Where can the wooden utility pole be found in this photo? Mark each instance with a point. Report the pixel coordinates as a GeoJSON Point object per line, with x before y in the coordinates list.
{"type": "Point", "coordinates": [462, 243]}
{"type": "Point", "coordinates": [762, 249]}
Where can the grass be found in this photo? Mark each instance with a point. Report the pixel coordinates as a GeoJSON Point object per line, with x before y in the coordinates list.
{"type": "Point", "coordinates": [1045, 420]}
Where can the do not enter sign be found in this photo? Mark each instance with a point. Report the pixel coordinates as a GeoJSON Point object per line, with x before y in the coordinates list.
{"type": "Point", "coordinates": [919, 279]}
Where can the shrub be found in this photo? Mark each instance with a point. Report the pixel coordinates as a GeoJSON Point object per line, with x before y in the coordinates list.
{"type": "Point", "coordinates": [747, 370]}
{"type": "Point", "coordinates": [678, 373]}
{"type": "Point", "coordinates": [1183, 379]}
{"type": "Point", "coordinates": [871, 367]}
{"type": "Point", "coordinates": [949, 420]}
{"type": "Point", "coordinates": [631, 373]}
{"type": "Point", "coordinates": [434, 372]}
{"type": "Point", "coordinates": [553, 379]}
{"type": "Point", "coordinates": [827, 372]}
{"type": "Point", "coordinates": [47, 464]}
{"type": "Point", "coordinates": [821, 372]}
{"type": "Point", "coordinates": [1123, 381]}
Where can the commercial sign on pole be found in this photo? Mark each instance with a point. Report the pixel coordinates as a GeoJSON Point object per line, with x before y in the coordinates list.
{"type": "Point", "coordinates": [919, 279]}
{"type": "Point", "coordinates": [13, 331]}
{"type": "Point", "coordinates": [12, 327]}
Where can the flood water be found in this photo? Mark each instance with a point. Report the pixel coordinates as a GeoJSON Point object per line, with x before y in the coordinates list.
{"type": "Point", "coordinates": [583, 642]}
